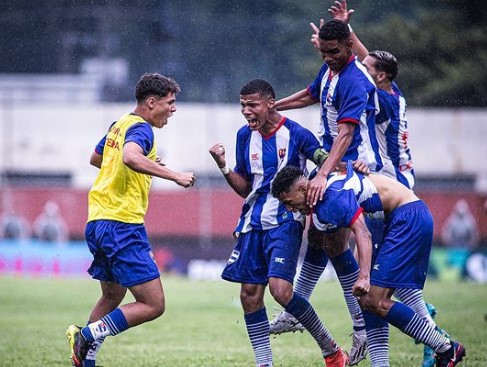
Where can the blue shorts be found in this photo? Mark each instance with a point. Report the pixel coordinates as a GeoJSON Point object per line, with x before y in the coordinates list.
{"type": "Point", "coordinates": [403, 256]}
{"type": "Point", "coordinates": [121, 253]}
{"type": "Point", "coordinates": [259, 255]}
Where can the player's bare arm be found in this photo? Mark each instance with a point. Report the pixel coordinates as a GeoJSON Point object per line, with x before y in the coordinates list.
{"type": "Point", "coordinates": [96, 159]}
{"type": "Point", "coordinates": [135, 159]}
{"type": "Point", "coordinates": [297, 100]}
{"type": "Point", "coordinates": [363, 240]}
{"type": "Point", "coordinates": [239, 184]}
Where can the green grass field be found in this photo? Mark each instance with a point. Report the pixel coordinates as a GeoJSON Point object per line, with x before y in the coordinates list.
{"type": "Point", "coordinates": [203, 325]}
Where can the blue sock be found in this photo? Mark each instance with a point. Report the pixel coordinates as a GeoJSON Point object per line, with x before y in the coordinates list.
{"type": "Point", "coordinates": [258, 330]}
{"type": "Point", "coordinates": [406, 320]}
{"type": "Point", "coordinates": [377, 339]}
{"type": "Point", "coordinates": [347, 269]}
{"type": "Point", "coordinates": [314, 263]}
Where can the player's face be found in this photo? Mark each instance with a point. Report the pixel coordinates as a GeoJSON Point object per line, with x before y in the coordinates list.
{"type": "Point", "coordinates": [255, 109]}
{"type": "Point", "coordinates": [295, 200]}
{"type": "Point", "coordinates": [162, 109]}
{"type": "Point", "coordinates": [335, 53]}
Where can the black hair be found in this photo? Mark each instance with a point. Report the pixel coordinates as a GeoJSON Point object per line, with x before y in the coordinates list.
{"type": "Point", "coordinates": [334, 29]}
{"type": "Point", "coordinates": [154, 84]}
{"type": "Point", "coordinates": [385, 62]}
{"type": "Point", "coordinates": [284, 179]}
{"type": "Point", "coordinates": [261, 86]}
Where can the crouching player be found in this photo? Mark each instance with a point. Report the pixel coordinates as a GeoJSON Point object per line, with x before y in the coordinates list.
{"type": "Point", "coordinates": [401, 260]}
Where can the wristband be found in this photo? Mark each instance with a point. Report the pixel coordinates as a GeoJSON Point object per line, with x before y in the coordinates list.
{"type": "Point", "coordinates": [225, 170]}
{"type": "Point", "coordinates": [350, 28]}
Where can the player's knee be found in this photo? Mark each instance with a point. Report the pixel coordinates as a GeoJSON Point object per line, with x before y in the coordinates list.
{"type": "Point", "coordinates": [157, 308]}
{"type": "Point", "coordinates": [251, 301]}
{"type": "Point", "coordinates": [282, 295]}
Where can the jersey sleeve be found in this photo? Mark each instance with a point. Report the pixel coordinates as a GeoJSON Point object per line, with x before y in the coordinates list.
{"type": "Point", "coordinates": [353, 99]}
{"type": "Point", "coordinates": [242, 166]}
{"type": "Point", "coordinates": [314, 89]}
{"type": "Point", "coordinates": [101, 144]}
{"type": "Point", "coordinates": [384, 113]}
{"type": "Point", "coordinates": [308, 143]}
{"type": "Point", "coordinates": [142, 134]}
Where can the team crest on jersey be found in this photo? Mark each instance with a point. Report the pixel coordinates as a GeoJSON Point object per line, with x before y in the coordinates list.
{"type": "Point", "coordinates": [233, 257]}
{"type": "Point", "coordinates": [282, 152]}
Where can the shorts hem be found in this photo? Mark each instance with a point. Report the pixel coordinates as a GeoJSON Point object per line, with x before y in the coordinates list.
{"type": "Point", "coordinates": [397, 285]}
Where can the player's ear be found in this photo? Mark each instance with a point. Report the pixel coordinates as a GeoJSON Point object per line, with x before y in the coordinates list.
{"type": "Point", "coordinates": [151, 102]}
{"type": "Point", "coordinates": [271, 102]}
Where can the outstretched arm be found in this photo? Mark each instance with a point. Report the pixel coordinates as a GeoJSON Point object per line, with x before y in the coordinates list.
{"type": "Point", "coordinates": [297, 100]}
{"type": "Point", "coordinates": [134, 158]}
{"type": "Point", "coordinates": [341, 12]}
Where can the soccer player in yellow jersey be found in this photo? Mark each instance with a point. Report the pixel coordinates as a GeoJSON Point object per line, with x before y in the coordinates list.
{"type": "Point", "coordinates": [115, 232]}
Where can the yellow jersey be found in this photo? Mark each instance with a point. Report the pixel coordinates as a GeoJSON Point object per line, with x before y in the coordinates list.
{"type": "Point", "coordinates": [119, 193]}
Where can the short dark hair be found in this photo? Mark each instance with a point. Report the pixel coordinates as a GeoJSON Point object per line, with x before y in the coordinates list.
{"type": "Point", "coordinates": [284, 179]}
{"type": "Point", "coordinates": [385, 62]}
{"type": "Point", "coordinates": [261, 86]}
{"type": "Point", "coordinates": [334, 29]}
{"type": "Point", "coordinates": [154, 84]}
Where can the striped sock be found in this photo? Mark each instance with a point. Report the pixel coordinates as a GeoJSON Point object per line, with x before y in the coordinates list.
{"type": "Point", "coordinates": [112, 324]}
{"type": "Point", "coordinates": [414, 299]}
{"type": "Point", "coordinates": [302, 310]}
{"type": "Point", "coordinates": [347, 270]}
{"type": "Point", "coordinates": [377, 339]}
{"type": "Point", "coordinates": [314, 264]}
{"type": "Point", "coordinates": [406, 320]}
{"type": "Point", "coordinates": [258, 330]}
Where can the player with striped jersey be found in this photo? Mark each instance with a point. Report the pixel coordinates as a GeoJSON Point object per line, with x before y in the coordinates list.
{"type": "Point", "coordinates": [348, 100]}
{"type": "Point", "coordinates": [402, 261]}
{"type": "Point", "coordinates": [268, 235]}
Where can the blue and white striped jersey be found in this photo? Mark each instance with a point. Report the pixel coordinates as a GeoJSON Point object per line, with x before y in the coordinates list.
{"type": "Point", "coordinates": [349, 96]}
{"type": "Point", "coordinates": [392, 135]}
{"type": "Point", "coordinates": [346, 196]}
{"type": "Point", "coordinates": [258, 159]}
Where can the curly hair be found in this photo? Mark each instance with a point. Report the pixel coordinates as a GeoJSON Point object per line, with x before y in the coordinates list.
{"type": "Point", "coordinates": [334, 29]}
{"type": "Point", "coordinates": [284, 179]}
{"type": "Point", "coordinates": [154, 84]}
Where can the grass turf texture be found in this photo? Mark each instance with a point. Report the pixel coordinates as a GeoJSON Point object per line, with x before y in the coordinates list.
{"type": "Point", "coordinates": [203, 325]}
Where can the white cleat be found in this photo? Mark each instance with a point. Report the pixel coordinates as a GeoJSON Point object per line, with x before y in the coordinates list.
{"type": "Point", "coordinates": [358, 352]}
{"type": "Point", "coordinates": [284, 322]}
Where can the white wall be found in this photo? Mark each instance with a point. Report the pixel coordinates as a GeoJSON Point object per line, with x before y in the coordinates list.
{"type": "Point", "coordinates": [60, 138]}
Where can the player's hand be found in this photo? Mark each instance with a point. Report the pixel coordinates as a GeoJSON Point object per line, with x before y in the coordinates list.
{"type": "Point", "coordinates": [361, 167]}
{"type": "Point", "coordinates": [185, 179]}
{"type": "Point", "coordinates": [217, 151]}
{"type": "Point", "coordinates": [361, 286]}
{"type": "Point", "coordinates": [339, 11]}
{"type": "Point", "coordinates": [316, 190]}
{"type": "Point", "coordinates": [315, 36]}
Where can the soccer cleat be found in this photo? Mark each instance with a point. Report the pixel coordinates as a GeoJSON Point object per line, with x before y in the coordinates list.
{"type": "Point", "coordinates": [78, 345]}
{"type": "Point", "coordinates": [337, 359]}
{"type": "Point", "coordinates": [452, 356]}
{"type": "Point", "coordinates": [284, 322]}
{"type": "Point", "coordinates": [358, 352]}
